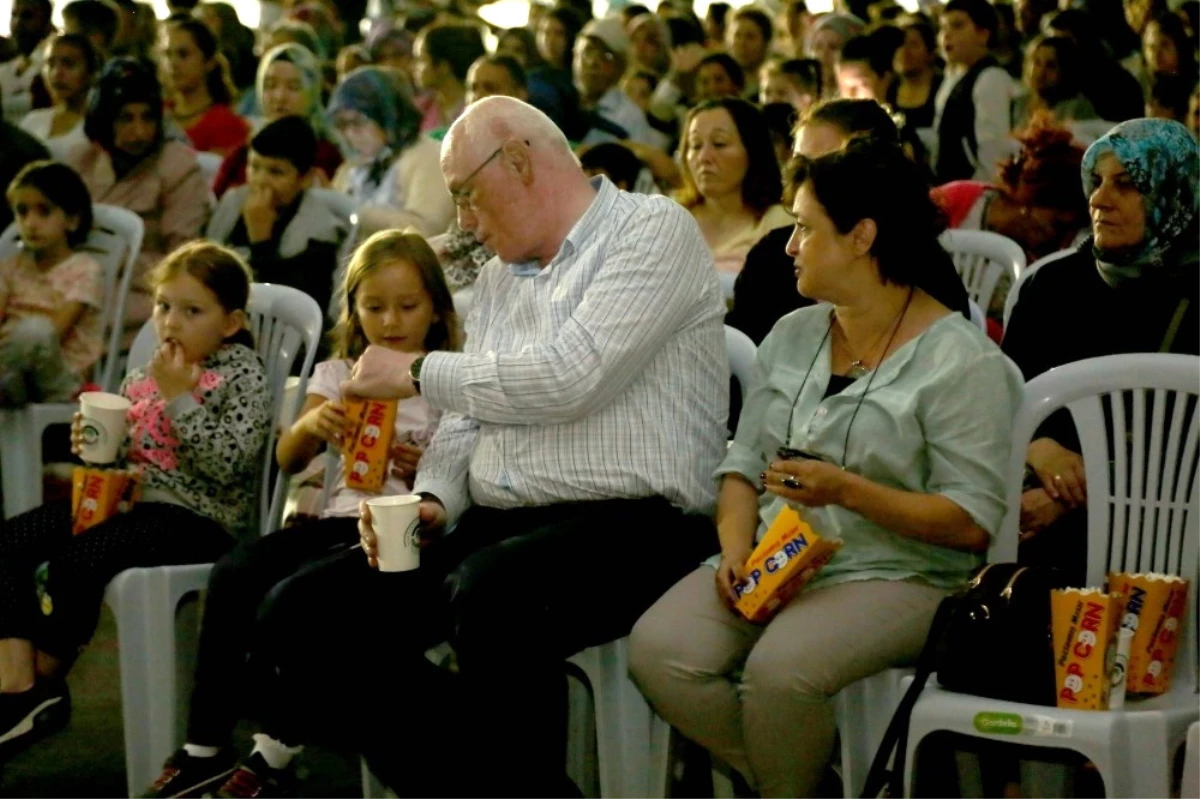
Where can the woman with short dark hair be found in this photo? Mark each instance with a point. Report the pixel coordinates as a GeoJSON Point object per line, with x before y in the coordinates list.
{"type": "Point", "coordinates": [896, 415]}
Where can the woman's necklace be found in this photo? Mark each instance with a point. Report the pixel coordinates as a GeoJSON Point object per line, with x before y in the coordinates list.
{"type": "Point", "coordinates": [858, 366]}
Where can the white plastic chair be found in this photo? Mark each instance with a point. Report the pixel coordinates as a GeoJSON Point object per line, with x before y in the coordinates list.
{"type": "Point", "coordinates": [115, 242]}
{"type": "Point", "coordinates": [978, 318]}
{"type": "Point", "coordinates": [741, 351]}
{"type": "Point", "coordinates": [981, 258]}
{"type": "Point", "coordinates": [210, 164]}
{"type": "Point", "coordinates": [346, 208]}
{"type": "Point", "coordinates": [1189, 786]}
{"type": "Point", "coordinates": [1143, 515]}
{"type": "Point", "coordinates": [1010, 302]}
{"type": "Point", "coordinates": [144, 601]}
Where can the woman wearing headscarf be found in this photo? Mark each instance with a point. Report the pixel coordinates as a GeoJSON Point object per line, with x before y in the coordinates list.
{"type": "Point", "coordinates": [128, 162]}
{"type": "Point", "coordinates": [825, 39]}
{"type": "Point", "coordinates": [1130, 287]}
{"type": "Point", "coordinates": [394, 173]}
{"type": "Point", "coordinates": [288, 84]}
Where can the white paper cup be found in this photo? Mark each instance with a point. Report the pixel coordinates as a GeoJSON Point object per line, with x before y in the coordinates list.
{"type": "Point", "coordinates": [103, 427]}
{"type": "Point", "coordinates": [397, 522]}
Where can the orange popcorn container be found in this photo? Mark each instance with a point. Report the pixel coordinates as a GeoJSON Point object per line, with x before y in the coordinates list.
{"type": "Point", "coordinates": [1155, 605]}
{"type": "Point", "coordinates": [100, 494]}
{"type": "Point", "coordinates": [1084, 624]}
{"type": "Point", "coordinates": [370, 425]}
{"type": "Point", "coordinates": [786, 558]}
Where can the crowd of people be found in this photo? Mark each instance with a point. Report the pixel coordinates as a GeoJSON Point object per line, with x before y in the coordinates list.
{"type": "Point", "coordinates": [604, 194]}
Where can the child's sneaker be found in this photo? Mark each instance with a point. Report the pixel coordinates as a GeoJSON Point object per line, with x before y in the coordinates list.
{"type": "Point", "coordinates": [29, 716]}
{"type": "Point", "coordinates": [185, 775]}
{"type": "Point", "coordinates": [255, 779]}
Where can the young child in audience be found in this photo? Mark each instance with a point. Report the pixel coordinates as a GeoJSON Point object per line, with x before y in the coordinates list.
{"type": "Point", "coordinates": [50, 295]}
{"type": "Point", "coordinates": [796, 81]}
{"type": "Point", "coordinates": [287, 233]}
{"type": "Point", "coordinates": [70, 68]}
{"type": "Point", "coordinates": [973, 104]}
{"type": "Point", "coordinates": [196, 430]}
{"type": "Point", "coordinates": [395, 297]}
{"type": "Point", "coordinates": [97, 20]}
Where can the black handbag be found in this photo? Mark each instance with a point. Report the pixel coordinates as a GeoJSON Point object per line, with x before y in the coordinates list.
{"type": "Point", "coordinates": [991, 639]}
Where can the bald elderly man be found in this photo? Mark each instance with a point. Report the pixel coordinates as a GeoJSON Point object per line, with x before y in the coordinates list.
{"type": "Point", "coordinates": [580, 429]}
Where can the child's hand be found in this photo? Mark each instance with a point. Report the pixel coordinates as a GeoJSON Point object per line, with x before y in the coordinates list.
{"type": "Point", "coordinates": [327, 422]}
{"type": "Point", "coordinates": [173, 374]}
{"type": "Point", "coordinates": [76, 433]}
{"type": "Point", "coordinates": [259, 213]}
{"type": "Point", "coordinates": [405, 457]}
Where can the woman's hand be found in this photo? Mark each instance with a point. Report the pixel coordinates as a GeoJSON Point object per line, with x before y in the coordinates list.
{"type": "Point", "coordinates": [1038, 511]}
{"type": "Point", "coordinates": [327, 422]}
{"type": "Point", "coordinates": [811, 483]}
{"type": "Point", "coordinates": [1060, 470]}
{"type": "Point", "coordinates": [171, 372]}
{"type": "Point", "coordinates": [405, 457]}
{"type": "Point", "coordinates": [76, 433]}
{"type": "Point", "coordinates": [729, 573]}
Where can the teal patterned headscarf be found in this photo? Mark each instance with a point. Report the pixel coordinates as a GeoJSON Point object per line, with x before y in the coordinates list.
{"type": "Point", "coordinates": [310, 76]}
{"type": "Point", "coordinates": [1163, 161]}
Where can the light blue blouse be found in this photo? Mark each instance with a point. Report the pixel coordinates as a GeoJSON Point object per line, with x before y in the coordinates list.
{"type": "Point", "coordinates": [937, 420]}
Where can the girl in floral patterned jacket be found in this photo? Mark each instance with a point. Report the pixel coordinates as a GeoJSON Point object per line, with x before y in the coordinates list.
{"type": "Point", "coordinates": [199, 421]}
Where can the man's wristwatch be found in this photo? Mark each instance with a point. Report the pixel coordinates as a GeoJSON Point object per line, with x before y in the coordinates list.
{"type": "Point", "coordinates": [414, 373]}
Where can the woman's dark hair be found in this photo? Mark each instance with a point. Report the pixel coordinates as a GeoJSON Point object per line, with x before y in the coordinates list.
{"type": "Point", "coordinates": [804, 72]}
{"type": "Point", "coordinates": [630, 13]}
{"type": "Point", "coordinates": [1070, 63]}
{"type": "Point", "coordinates": [122, 82]}
{"type": "Point", "coordinates": [762, 185]}
{"type": "Point", "coordinates": [217, 79]}
{"type": "Point", "coordinates": [95, 15]}
{"type": "Point", "coordinates": [758, 17]}
{"type": "Point", "coordinates": [1171, 27]}
{"type": "Point", "coordinates": [718, 13]}
{"type": "Point", "coordinates": [615, 160]}
{"type": "Point", "coordinates": [63, 187]}
{"type": "Point", "coordinates": [685, 30]}
{"type": "Point", "coordinates": [923, 28]}
{"type": "Point", "coordinates": [907, 221]}
{"type": "Point", "coordinates": [219, 270]}
{"type": "Point", "coordinates": [855, 118]}
{"type": "Point", "coordinates": [732, 68]}
{"type": "Point", "coordinates": [456, 45]}
{"type": "Point", "coordinates": [571, 22]}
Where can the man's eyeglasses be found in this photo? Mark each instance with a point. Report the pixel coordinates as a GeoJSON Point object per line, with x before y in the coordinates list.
{"type": "Point", "coordinates": [462, 195]}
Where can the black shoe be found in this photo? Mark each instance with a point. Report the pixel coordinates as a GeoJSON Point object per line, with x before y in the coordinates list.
{"type": "Point", "coordinates": [185, 775]}
{"type": "Point", "coordinates": [29, 716]}
{"type": "Point", "coordinates": [255, 779]}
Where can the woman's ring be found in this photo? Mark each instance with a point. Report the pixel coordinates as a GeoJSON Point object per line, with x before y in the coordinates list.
{"type": "Point", "coordinates": [792, 482]}
{"type": "Point", "coordinates": [1058, 478]}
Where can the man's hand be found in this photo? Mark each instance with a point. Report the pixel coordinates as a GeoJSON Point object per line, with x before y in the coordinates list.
{"type": "Point", "coordinates": [381, 373]}
{"type": "Point", "coordinates": [259, 214]}
{"type": "Point", "coordinates": [433, 523]}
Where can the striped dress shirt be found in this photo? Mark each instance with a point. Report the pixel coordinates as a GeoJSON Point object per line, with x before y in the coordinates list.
{"type": "Point", "coordinates": [602, 375]}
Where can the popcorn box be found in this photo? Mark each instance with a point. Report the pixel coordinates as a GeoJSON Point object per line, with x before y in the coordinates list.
{"type": "Point", "coordinates": [1084, 624]}
{"type": "Point", "coordinates": [786, 558]}
{"type": "Point", "coordinates": [370, 425]}
{"type": "Point", "coordinates": [1154, 608]}
{"type": "Point", "coordinates": [100, 494]}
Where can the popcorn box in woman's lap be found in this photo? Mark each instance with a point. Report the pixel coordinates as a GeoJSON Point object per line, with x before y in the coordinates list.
{"type": "Point", "coordinates": [99, 494]}
{"type": "Point", "coordinates": [786, 558]}
{"type": "Point", "coordinates": [371, 425]}
{"type": "Point", "coordinates": [1084, 624]}
{"type": "Point", "coordinates": [1155, 605]}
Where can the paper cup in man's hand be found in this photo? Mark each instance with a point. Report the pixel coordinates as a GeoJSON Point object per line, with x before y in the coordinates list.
{"type": "Point", "coordinates": [396, 521]}
{"type": "Point", "coordinates": [103, 426]}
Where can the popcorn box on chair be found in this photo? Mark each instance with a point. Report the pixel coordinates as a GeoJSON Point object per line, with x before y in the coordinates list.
{"type": "Point", "coordinates": [99, 494]}
{"type": "Point", "coordinates": [371, 425]}
{"type": "Point", "coordinates": [786, 558]}
{"type": "Point", "coordinates": [1155, 605]}
{"type": "Point", "coordinates": [1084, 623]}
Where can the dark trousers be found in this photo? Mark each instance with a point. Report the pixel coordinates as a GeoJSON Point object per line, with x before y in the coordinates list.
{"type": "Point", "coordinates": [339, 652]}
{"type": "Point", "coordinates": [239, 583]}
{"type": "Point", "coordinates": [81, 566]}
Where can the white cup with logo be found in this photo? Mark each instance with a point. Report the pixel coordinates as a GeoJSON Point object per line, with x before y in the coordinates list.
{"type": "Point", "coordinates": [397, 524]}
{"type": "Point", "coordinates": [103, 426]}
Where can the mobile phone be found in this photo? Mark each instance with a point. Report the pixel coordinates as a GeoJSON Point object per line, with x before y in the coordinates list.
{"type": "Point", "coordinates": [790, 454]}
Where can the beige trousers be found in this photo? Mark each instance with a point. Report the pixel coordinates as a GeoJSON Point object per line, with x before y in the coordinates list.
{"type": "Point", "coordinates": [775, 725]}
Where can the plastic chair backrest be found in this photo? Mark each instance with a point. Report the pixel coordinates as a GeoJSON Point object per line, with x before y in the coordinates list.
{"type": "Point", "coordinates": [742, 352]}
{"type": "Point", "coordinates": [346, 208]}
{"type": "Point", "coordinates": [981, 257]}
{"type": "Point", "coordinates": [115, 241]}
{"type": "Point", "coordinates": [1138, 419]}
{"type": "Point", "coordinates": [210, 165]}
{"type": "Point", "coordinates": [1010, 301]}
{"type": "Point", "coordinates": [978, 317]}
{"type": "Point", "coordinates": [283, 320]}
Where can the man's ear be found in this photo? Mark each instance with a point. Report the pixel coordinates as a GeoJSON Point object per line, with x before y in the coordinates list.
{"type": "Point", "coordinates": [234, 321]}
{"type": "Point", "coordinates": [517, 153]}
